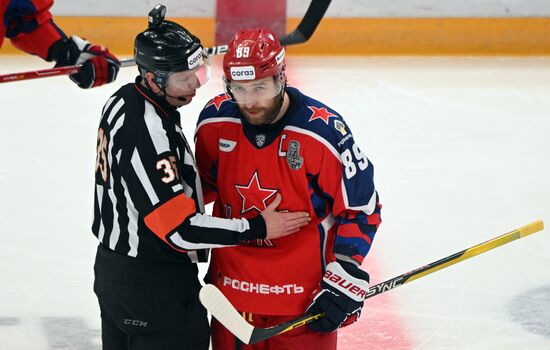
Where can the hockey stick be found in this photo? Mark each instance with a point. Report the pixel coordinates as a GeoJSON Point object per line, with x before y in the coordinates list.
{"type": "Point", "coordinates": [68, 70]}
{"type": "Point", "coordinates": [218, 305]}
{"type": "Point", "coordinates": [301, 34]}
{"type": "Point", "coordinates": [309, 23]}
{"type": "Point", "coordinates": [52, 72]}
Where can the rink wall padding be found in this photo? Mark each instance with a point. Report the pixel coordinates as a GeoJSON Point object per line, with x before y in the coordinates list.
{"type": "Point", "coordinates": [524, 36]}
{"type": "Point", "coordinates": [428, 36]}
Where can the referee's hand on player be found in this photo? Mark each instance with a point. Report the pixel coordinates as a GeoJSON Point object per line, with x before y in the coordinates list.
{"type": "Point", "coordinates": [280, 224]}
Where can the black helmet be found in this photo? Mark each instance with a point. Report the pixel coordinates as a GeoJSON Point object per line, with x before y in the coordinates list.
{"type": "Point", "coordinates": [166, 47]}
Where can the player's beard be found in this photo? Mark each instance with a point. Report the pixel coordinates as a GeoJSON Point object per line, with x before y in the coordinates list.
{"type": "Point", "coordinates": [261, 115]}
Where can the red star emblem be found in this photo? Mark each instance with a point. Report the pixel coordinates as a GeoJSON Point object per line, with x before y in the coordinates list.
{"type": "Point", "coordinates": [320, 113]}
{"type": "Point", "coordinates": [218, 100]}
{"type": "Point", "coordinates": [253, 195]}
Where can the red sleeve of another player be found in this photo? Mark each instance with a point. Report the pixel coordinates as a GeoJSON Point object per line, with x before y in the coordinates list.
{"type": "Point", "coordinates": [206, 154]}
{"type": "Point", "coordinates": [31, 28]}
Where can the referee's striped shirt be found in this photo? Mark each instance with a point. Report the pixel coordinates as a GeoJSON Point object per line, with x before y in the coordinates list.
{"type": "Point", "coordinates": [148, 198]}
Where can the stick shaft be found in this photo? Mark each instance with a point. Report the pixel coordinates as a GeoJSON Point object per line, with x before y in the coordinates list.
{"type": "Point", "coordinates": [52, 72]}
{"type": "Point", "coordinates": [68, 70]}
{"type": "Point", "coordinates": [425, 270]}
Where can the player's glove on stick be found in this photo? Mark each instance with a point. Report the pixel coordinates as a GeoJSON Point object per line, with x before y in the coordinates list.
{"type": "Point", "coordinates": [343, 289]}
{"type": "Point", "coordinates": [98, 65]}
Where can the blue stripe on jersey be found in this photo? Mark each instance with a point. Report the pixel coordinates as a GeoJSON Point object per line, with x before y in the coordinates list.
{"type": "Point", "coordinates": [322, 248]}
{"type": "Point", "coordinates": [350, 246]}
{"type": "Point", "coordinates": [319, 198]}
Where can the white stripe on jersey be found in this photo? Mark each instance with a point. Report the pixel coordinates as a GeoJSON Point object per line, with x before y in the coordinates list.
{"type": "Point", "coordinates": [177, 188]}
{"type": "Point", "coordinates": [200, 197]}
{"type": "Point", "coordinates": [346, 259]}
{"type": "Point", "coordinates": [187, 190]}
{"type": "Point", "coordinates": [316, 137]}
{"type": "Point", "coordinates": [216, 120]}
{"type": "Point", "coordinates": [113, 132]}
{"type": "Point", "coordinates": [99, 190]}
{"type": "Point", "coordinates": [188, 159]}
{"type": "Point", "coordinates": [114, 111]}
{"type": "Point", "coordinates": [156, 130]}
{"type": "Point", "coordinates": [183, 244]}
{"type": "Point", "coordinates": [327, 223]}
{"type": "Point", "coordinates": [133, 238]}
{"type": "Point", "coordinates": [109, 101]}
{"type": "Point", "coordinates": [193, 256]}
{"type": "Point", "coordinates": [137, 164]}
{"type": "Point", "coordinates": [202, 220]}
{"type": "Point", "coordinates": [367, 209]}
{"type": "Point", "coordinates": [115, 232]}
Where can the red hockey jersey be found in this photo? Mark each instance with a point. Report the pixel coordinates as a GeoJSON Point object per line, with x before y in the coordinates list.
{"type": "Point", "coordinates": [312, 160]}
{"type": "Point", "coordinates": [29, 25]}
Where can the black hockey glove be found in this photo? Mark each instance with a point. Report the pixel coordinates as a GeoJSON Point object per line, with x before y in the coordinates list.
{"type": "Point", "coordinates": [98, 65]}
{"type": "Point", "coordinates": [340, 298]}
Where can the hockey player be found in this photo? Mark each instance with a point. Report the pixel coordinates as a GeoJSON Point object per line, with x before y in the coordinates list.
{"type": "Point", "coordinates": [148, 203]}
{"type": "Point", "coordinates": [30, 27]}
{"type": "Point", "coordinates": [260, 139]}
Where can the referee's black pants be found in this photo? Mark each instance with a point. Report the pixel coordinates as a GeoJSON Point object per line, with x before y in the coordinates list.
{"type": "Point", "coordinates": [149, 305]}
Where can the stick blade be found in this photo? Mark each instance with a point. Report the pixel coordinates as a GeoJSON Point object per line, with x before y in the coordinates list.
{"type": "Point", "coordinates": [260, 334]}
{"type": "Point", "coordinates": [218, 305]}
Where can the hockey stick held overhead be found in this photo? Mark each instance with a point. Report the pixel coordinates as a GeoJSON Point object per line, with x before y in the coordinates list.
{"type": "Point", "coordinates": [301, 34]}
{"type": "Point", "coordinates": [218, 305]}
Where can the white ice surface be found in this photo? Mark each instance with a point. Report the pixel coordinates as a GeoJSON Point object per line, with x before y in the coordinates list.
{"type": "Point", "coordinates": [461, 148]}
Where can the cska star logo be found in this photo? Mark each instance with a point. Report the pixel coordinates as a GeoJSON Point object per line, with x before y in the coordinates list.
{"type": "Point", "coordinates": [254, 195]}
{"type": "Point", "coordinates": [320, 113]}
{"type": "Point", "coordinates": [217, 101]}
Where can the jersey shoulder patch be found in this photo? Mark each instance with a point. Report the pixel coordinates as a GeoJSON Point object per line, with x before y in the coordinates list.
{"type": "Point", "coordinates": [317, 118]}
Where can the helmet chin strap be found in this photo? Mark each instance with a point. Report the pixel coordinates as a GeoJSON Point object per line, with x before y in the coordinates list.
{"type": "Point", "coordinates": [179, 98]}
{"type": "Point", "coordinates": [280, 105]}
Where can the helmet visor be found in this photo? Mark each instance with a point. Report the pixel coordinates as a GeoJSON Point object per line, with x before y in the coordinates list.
{"type": "Point", "coordinates": [191, 79]}
{"type": "Point", "coordinates": [246, 92]}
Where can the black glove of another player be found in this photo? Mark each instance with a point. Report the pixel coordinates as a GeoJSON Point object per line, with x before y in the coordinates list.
{"type": "Point", "coordinates": [99, 66]}
{"type": "Point", "coordinates": [343, 289]}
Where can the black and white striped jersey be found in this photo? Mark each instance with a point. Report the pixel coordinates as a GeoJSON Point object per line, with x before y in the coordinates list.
{"type": "Point", "coordinates": [148, 198]}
